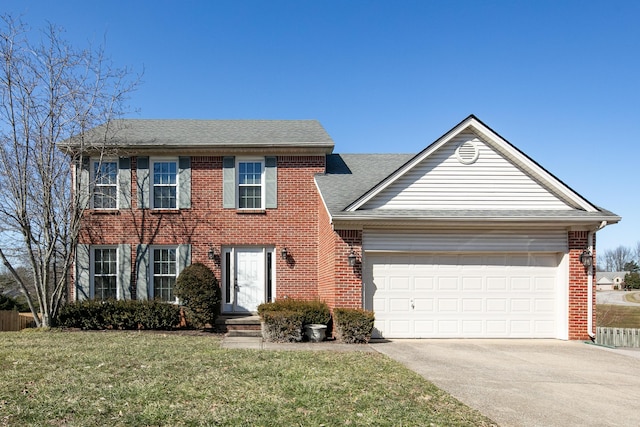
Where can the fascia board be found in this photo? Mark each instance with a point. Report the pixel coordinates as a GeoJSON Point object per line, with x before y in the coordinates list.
{"type": "Point", "coordinates": [358, 222]}
{"type": "Point", "coordinates": [326, 208]}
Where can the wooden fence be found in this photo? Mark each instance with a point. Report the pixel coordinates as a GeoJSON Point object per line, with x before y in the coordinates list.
{"type": "Point", "coordinates": [618, 337]}
{"type": "Point", "coordinates": [14, 321]}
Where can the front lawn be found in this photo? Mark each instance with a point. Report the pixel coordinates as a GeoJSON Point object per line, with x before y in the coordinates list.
{"type": "Point", "coordinates": [140, 379]}
{"type": "Point", "coordinates": [618, 316]}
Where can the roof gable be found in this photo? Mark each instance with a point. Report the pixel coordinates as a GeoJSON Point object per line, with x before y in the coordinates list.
{"type": "Point", "coordinates": [502, 177]}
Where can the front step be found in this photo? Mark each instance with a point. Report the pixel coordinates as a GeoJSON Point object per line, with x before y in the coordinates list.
{"type": "Point", "coordinates": [239, 325]}
{"type": "Point", "coordinates": [244, 333]}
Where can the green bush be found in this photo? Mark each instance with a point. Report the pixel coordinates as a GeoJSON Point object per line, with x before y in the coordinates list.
{"type": "Point", "coordinates": [313, 311]}
{"type": "Point", "coordinates": [353, 325]}
{"type": "Point", "coordinates": [282, 326]}
{"type": "Point", "coordinates": [198, 290]}
{"type": "Point", "coordinates": [95, 315]}
{"type": "Point", "coordinates": [13, 304]}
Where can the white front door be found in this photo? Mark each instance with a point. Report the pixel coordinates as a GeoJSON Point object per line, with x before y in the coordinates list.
{"type": "Point", "coordinates": [247, 278]}
{"type": "Point", "coordinates": [249, 284]}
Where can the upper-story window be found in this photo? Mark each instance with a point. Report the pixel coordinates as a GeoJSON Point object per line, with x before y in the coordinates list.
{"type": "Point", "coordinates": [250, 183]}
{"type": "Point", "coordinates": [105, 191]}
{"type": "Point", "coordinates": [165, 184]}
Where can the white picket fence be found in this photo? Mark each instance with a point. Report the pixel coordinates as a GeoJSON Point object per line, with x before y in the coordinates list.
{"type": "Point", "coordinates": [618, 337]}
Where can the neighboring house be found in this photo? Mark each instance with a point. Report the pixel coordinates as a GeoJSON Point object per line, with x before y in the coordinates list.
{"type": "Point", "coordinates": [610, 280]}
{"type": "Point", "coordinates": [467, 238]}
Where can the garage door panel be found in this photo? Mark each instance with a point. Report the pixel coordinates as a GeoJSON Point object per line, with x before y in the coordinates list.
{"type": "Point", "coordinates": [399, 283]}
{"type": "Point", "coordinates": [496, 283]}
{"type": "Point", "coordinates": [520, 284]}
{"type": "Point", "coordinates": [544, 284]}
{"type": "Point", "coordinates": [421, 283]}
{"type": "Point", "coordinates": [472, 327]}
{"type": "Point", "coordinates": [447, 283]}
{"type": "Point", "coordinates": [472, 283]}
{"type": "Point", "coordinates": [496, 328]}
{"type": "Point", "coordinates": [399, 305]}
{"type": "Point", "coordinates": [497, 296]}
{"type": "Point", "coordinates": [423, 305]}
{"type": "Point", "coordinates": [447, 305]}
{"type": "Point", "coordinates": [496, 305]}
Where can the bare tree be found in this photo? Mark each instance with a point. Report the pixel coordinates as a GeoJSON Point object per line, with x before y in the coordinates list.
{"type": "Point", "coordinates": [50, 92]}
{"type": "Point", "coordinates": [615, 259]}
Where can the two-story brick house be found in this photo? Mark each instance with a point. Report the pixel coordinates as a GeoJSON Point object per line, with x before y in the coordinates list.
{"type": "Point", "coordinates": [468, 238]}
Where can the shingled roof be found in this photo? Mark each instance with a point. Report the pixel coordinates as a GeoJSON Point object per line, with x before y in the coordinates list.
{"type": "Point", "coordinates": [349, 176]}
{"type": "Point", "coordinates": [210, 134]}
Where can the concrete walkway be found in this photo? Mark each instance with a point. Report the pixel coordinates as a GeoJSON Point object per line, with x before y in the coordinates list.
{"type": "Point", "coordinates": [256, 343]}
{"type": "Point", "coordinates": [530, 382]}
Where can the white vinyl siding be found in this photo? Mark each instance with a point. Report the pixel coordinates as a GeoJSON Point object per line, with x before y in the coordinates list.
{"type": "Point", "coordinates": [441, 181]}
{"type": "Point", "coordinates": [548, 240]}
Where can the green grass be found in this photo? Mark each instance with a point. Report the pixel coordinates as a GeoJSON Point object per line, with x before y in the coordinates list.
{"type": "Point", "coordinates": [141, 379]}
{"type": "Point", "coordinates": [617, 316]}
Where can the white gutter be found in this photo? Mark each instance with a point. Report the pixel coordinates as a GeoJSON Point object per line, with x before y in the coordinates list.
{"type": "Point", "coordinates": [590, 281]}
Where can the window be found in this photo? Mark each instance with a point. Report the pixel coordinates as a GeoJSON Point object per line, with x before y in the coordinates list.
{"type": "Point", "coordinates": [105, 268]}
{"type": "Point", "coordinates": [165, 184]}
{"type": "Point", "coordinates": [250, 185]}
{"type": "Point", "coordinates": [106, 184]}
{"type": "Point", "coordinates": [164, 273]}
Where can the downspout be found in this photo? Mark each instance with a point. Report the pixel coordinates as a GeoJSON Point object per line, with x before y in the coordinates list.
{"type": "Point", "coordinates": [590, 234]}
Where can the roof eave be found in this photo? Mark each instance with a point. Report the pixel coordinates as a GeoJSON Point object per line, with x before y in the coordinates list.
{"type": "Point", "coordinates": [358, 221]}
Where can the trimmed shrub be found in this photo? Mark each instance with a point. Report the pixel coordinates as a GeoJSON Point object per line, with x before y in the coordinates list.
{"type": "Point", "coordinates": [155, 314]}
{"type": "Point", "coordinates": [92, 314]}
{"type": "Point", "coordinates": [353, 325]}
{"type": "Point", "coordinates": [199, 293]}
{"type": "Point", "coordinates": [282, 326]}
{"type": "Point", "coordinates": [313, 311]}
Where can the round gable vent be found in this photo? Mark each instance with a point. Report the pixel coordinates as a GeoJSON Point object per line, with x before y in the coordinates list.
{"type": "Point", "coordinates": [467, 153]}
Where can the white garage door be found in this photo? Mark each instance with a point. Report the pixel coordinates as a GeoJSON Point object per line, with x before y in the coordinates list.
{"type": "Point", "coordinates": [463, 295]}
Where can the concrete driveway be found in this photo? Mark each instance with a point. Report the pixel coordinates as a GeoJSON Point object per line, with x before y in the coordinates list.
{"type": "Point", "coordinates": [530, 382]}
{"type": "Point", "coordinates": [615, 297]}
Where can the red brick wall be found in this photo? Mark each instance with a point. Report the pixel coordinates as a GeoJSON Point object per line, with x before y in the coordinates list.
{"type": "Point", "coordinates": [293, 224]}
{"type": "Point", "coordinates": [348, 280]}
{"type": "Point", "coordinates": [578, 288]}
{"type": "Point", "coordinates": [326, 257]}
{"type": "Point", "coordinates": [339, 284]}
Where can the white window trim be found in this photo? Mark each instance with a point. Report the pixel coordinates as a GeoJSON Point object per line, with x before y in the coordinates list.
{"type": "Point", "coordinates": [94, 184]}
{"type": "Point", "coordinates": [92, 269]}
{"type": "Point", "coordinates": [262, 181]}
{"type": "Point", "coordinates": [152, 162]}
{"type": "Point", "coordinates": [151, 290]}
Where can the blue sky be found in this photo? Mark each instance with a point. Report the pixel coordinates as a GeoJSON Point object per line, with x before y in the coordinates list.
{"type": "Point", "coordinates": [558, 79]}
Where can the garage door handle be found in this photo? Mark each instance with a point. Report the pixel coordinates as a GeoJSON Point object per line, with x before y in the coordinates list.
{"type": "Point", "coordinates": [413, 306]}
